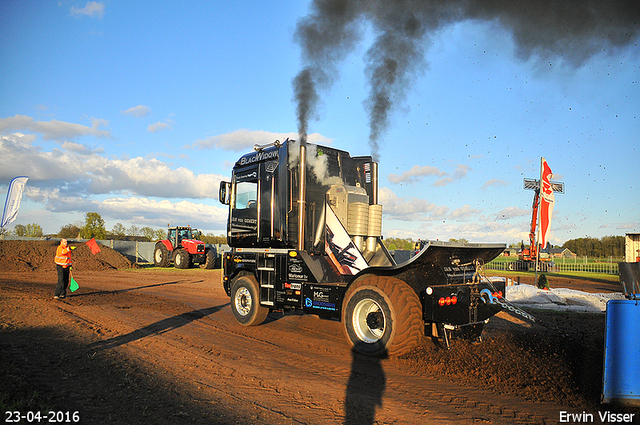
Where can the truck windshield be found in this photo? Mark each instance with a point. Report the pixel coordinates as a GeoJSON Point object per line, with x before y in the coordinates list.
{"type": "Point", "coordinates": [246, 195]}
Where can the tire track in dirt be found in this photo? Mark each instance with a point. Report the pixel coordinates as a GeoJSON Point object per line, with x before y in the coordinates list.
{"type": "Point", "coordinates": [292, 369]}
{"type": "Point", "coordinates": [402, 392]}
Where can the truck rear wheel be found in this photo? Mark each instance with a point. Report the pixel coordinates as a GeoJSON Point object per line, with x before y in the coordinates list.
{"type": "Point", "coordinates": [245, 302]}
{"type": "Point", "coordinates": [161, 255]}
{"type": "Point", "coordinates": [182, 259]}
{"type": "Point", "coordinates": [382, 316]}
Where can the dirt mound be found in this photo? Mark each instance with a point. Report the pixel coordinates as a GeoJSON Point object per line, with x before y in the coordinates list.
{"type": "Point", "coordinates": [39, 256]}
{"type": "Point", "coordinates": [559, 359]}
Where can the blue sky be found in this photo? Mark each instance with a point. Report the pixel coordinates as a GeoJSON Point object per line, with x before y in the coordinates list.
{"type": "Point", "coordinates": [137, 110]}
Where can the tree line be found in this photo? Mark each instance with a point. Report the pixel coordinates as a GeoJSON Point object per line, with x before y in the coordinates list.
{"type": "Point", "coordinates": [607, 246]}
{"type": "Point", "coordinates": [94, 227]}
{"type": "Point", "coordinates": [409, 244]}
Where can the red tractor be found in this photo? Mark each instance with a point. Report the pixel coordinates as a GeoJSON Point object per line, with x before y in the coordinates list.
{"type": "Point", "coordinates": [183, 249]}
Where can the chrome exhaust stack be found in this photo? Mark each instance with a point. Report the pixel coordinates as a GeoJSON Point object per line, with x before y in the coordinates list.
{"type": "Point", "coordinates": [302, 199]}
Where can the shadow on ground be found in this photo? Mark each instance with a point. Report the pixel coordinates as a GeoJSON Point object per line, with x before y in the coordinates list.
{"type": "Point", "coordinates": [42, 370]}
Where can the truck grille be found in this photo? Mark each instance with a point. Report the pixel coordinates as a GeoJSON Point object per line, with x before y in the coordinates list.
{"type": "Point", "coordinates": [200, 248]}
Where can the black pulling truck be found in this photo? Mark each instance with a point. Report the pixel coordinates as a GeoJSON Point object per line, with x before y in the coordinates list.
{"type": "Point", "coordinates": [305, 229]}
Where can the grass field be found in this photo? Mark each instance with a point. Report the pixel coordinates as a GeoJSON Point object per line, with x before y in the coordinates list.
{"type": "Point", "coordinates": [577, 275]}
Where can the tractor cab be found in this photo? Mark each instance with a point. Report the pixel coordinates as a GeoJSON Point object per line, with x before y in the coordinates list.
{"type": "Point", "coordinates": [178, 234]}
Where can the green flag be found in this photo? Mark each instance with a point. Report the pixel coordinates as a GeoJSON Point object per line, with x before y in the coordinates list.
{"type": "Point", "coordinates": [73, 286]}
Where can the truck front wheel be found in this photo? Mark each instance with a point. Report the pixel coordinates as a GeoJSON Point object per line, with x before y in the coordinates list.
{"type": "Point", "coordinates": [382, 316]}
{"type": "Point", "coordinates": [245, 302]}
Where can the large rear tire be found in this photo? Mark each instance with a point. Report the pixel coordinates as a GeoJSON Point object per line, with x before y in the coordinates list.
{"type": "Point", "coordinates": [209, 259]}
{"type": "Point", "coordinates": [382, 316]}
{"type": "Point", "coordinates": [182, 259]}
{"type": "Point", "coordinates": [245, 302]}
{"type": "Point", "coordinates": [161, 255]}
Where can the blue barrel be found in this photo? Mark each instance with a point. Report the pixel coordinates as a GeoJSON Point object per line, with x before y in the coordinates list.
{"type": "Point", "coordinates": [621, 380]}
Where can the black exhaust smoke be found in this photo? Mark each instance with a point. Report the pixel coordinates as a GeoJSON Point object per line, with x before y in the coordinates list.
{"type": "Point", "coordinates": [571, 30]}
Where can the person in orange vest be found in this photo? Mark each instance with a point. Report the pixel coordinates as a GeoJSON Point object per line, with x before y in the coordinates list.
{"type": "Point", "coordinates": [63, 266]}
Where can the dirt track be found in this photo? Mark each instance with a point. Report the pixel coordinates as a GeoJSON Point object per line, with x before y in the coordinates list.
{"type": "Point", "coordinates": [161, 346]}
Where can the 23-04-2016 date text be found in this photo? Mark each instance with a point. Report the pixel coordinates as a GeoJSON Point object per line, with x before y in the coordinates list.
{"type": "Point", "coordinates": [49, 417]}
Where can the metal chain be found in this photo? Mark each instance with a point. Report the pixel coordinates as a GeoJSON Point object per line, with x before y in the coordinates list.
{"type": "Point", "coordinates": [500, 301]}
{"type": "Point", "coordinates": [510, 307]}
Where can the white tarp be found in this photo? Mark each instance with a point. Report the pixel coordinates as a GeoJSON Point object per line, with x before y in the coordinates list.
{"type": "Point", "coordinates": [562, 299]}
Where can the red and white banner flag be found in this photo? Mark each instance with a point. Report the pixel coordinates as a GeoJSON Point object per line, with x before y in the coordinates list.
{"type": "Point", "coordinates": [547, 199]}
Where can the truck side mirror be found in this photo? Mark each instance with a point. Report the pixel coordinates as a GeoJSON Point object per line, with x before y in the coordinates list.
{"type": "Point", "coordinates": [224, 194]}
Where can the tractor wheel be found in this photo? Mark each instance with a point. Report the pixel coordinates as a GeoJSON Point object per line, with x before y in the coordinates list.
{"type": "Point", "coordinates": [182, 259]}
{"type": "Point", "coordinates": [209, 259]}
{"type": "Point", "coordinates": [161, 256]}
{"type": "Point", "coordinates": [382, 316]}
{"type": "Point", "coordinates": [245, 302]}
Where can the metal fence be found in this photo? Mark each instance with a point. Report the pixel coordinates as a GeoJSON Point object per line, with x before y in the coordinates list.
{"type": "Point", "coordinates": [142, 252]}
{"type": "Point", "coordinates": [134, 251]}
{"type": "Point", "coordinates": [560, 267]}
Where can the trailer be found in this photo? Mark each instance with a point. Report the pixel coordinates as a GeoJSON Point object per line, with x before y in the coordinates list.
{"type": "Point", "coordinates": [305, 231]}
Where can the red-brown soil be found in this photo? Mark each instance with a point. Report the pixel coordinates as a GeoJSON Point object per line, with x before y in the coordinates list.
{"type": "Point", "coordinates": [24, 256]}
{"type": "Point", "coordinates": [161, 346]}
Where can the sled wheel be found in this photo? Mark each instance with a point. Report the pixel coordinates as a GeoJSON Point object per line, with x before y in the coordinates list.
{"type": "Point", "coordinates": [182, 259]}
{"type": "Point", "coordinates": [245, 302]}
{"type": "Point", "coordinates": [161, 256]}
{"type": "Point", "coordinates": [382, 316]}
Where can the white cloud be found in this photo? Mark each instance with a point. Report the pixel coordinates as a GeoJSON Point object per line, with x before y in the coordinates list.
{"type": "Point", "coordinates": [413, 209]}
{"type": "Point", "coordinates": [151, 177]}
{"type": "Point", "coordinates": [79, 148]}
{"type": "Point", "coordinates": [78, 169]}
{"type": "Point", "coordinates": [139, 111]}
{"type": "Point", "coordinates": [152, 212]}
{"type": "Point", "coordinates": [511, 212]}
{"type": "Point", "coordinates": [54, 129]}
{"type": "Point", "coordinates": [479, 232]}
{"type": "Point", "coordinates": [18, 156]}
{"type": "Point", "coordinates": [463, 213]}
{"type": "Point", "coordinates": [93, 9]}
{"type": "Point", "coordinates": [242, 140]}
{"type": "Point", "coordinates": [418, 218]}
{"type": "Point", "coordinates": [159, 126]}
{"type": "Point", "coordinates": [494, 182]}
{"type": "Point", "coordinates": [442, 182]}
{"type": "Point", "coordinates": [459, 173]}
{"type": "Point", "coordinates": [415, 174]}
{"type": "Point", "coordinates": [139, 210]}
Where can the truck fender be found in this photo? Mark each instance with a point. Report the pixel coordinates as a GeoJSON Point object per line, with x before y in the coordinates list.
{"type": "Point", "coordinates": [242, 271]}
